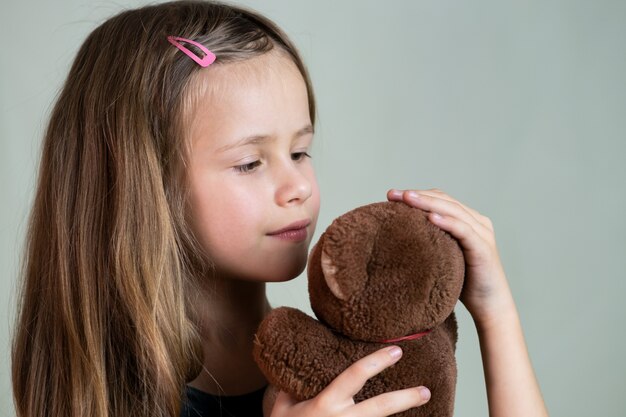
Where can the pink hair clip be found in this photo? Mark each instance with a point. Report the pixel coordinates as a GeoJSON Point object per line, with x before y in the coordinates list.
{"type": "Point", "coordinates": [209, 56]}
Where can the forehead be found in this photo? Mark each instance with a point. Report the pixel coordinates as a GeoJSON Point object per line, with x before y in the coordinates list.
{"type": "Point", "coordinates": [221, 78]}
{"type": "Point", "coordinates": [254, 96]}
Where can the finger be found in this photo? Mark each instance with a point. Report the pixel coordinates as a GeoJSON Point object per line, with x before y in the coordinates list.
{"type": "Point", "coordinates": [448, 208]}
{"type": "Point", "coordinates": [394, 194]}
{"type": "Point", "coordinates": [436, 193]}
{"type": "Point", "coordinates": [391, 402]}
{"type": "Point", "coordinates": [410, 195]}
{"type": "Point", "coordinates": [400, 195]}
{"type": "Point", "coordinates": [350, 381]}
{"type": "Point", "coordinates": [483, 220]}
{"type": "Point", "coordinates": [468, 236]}
{"type": "Point", "coordinates": [437, 203]}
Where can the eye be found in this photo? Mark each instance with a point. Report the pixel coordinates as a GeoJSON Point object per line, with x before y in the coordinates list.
{"type": "Point", "coordinates": [299, 156]}
{"type": "Point", "coordinates": [246, 168]}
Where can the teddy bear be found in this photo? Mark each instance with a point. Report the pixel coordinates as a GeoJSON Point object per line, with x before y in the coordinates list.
{"type": "Point", "coordinates": [380, 274]}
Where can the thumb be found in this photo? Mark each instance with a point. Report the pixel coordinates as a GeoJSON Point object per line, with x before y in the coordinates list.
{"type": "Point", "coordinates": [283, 402]}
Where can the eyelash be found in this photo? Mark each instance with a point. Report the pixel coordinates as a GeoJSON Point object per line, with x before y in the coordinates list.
{"type": "Point", "coordinates": [247, 168]}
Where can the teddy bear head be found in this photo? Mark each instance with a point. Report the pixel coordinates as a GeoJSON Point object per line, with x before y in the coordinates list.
{"type": "Point", "coordinates": [384, 271]}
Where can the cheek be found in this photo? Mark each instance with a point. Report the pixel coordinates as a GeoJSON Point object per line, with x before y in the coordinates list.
{"type": "Point", "coordinates": [201, 208]}
{"type": "Point", "coordinates": [220, 212]}
{"type": "Point", "coordinates": [315, 194]}
{"type": "Point", "coordinates": [208, 205]}
{"type": "Point", "coordinates": [316, 201]}
{"type": "Point", "coordinates": [219, 228]}
{"type": "Point", "coordinates": [230, 211]}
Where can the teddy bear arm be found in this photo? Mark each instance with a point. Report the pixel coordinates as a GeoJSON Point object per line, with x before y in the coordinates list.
{"type": "Point", "coordinates": [300, 355]}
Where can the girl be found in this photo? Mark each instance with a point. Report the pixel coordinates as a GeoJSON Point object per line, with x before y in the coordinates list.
{"type": "Point", "coordinates": [175, 158]}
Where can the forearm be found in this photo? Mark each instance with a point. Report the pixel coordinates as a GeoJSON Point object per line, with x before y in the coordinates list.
{"type": "Point", "coordinates": [512, 387]}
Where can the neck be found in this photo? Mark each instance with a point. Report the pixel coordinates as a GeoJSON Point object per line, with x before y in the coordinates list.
{"type": "Point", "coordinates": [229, 313]}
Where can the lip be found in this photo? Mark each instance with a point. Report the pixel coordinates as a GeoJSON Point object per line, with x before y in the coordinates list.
{"type": "Point", "coordinates": [293, 226]}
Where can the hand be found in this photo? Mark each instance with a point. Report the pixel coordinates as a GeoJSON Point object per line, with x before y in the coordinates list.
{"type": "Point", "coordinates": [512, 388]}
{"type": "Point", "coordinates": [485, 294]}
{"type": "Point", "coordinates": [336, 399]}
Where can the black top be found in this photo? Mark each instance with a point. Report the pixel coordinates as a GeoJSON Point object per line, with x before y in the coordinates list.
{"type": "Point", "coordinates": [201, 404]}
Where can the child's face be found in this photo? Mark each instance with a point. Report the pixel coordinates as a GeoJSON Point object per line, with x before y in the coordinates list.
{"type": "Point", "coordinates": [242, 194]}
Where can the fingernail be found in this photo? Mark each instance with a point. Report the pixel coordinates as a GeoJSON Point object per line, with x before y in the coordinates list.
{"type": "Point", "coordinates": [425, 393]}
{"type": "Point", "coordinates": [413, 195]}
{"type": "Point", "coordinates": [395, 352]}
{"type": "Point", "coordinates": [396, 193]}
{"type": "Point", "coordinates": [436, 217]}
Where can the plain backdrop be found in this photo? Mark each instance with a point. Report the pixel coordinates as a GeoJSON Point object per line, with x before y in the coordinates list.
{"type": "Point", "coordinates": [517, 109]}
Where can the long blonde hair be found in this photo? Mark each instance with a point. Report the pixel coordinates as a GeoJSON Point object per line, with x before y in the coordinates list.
{"type": "Point", "coordinates": [104, 327]}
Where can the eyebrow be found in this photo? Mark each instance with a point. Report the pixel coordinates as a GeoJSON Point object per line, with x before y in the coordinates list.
{"type": "Point", "coordinates": [257, 139]}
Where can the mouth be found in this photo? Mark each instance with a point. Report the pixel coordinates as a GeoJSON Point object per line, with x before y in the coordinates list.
{"type": "Point", "coordinates": [300, 224]}
{"type": "Point", "coordinates": [296, 231]}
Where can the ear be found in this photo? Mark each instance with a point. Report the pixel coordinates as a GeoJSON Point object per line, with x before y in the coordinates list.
{"type": "Point", "coordinates": [330, 275]}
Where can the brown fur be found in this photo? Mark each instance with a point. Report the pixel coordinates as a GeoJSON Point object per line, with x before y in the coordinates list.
{"type": "Point", "coordinates": [378, 272]}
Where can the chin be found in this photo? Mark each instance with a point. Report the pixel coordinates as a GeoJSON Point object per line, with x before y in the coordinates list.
{"type": "Point", "coordinates": [283, 276]}
{"type": "Point", "coordinates": [278, 274]}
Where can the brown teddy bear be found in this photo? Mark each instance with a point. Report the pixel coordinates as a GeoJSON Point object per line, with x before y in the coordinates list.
{"type": "Point", "coordinates": [380, 274]}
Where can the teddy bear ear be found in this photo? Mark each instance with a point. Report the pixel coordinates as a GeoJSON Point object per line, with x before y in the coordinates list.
{"type": "Point", "coordinates": [330, 275]}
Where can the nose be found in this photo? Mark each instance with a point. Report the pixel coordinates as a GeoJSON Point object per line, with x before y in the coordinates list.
{"type": "Point", "coordinates": [293, 184]}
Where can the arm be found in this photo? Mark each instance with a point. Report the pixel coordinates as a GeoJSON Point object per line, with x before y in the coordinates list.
{"type": "Point", "coordinates": [512, 389]}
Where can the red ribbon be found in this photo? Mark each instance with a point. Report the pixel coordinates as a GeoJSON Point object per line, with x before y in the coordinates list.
{"type": "Point", "coordinates": [409, 337]}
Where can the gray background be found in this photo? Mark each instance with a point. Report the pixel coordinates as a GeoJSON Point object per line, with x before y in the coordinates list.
{"type": "Point", "coordinates": [515, 109]}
